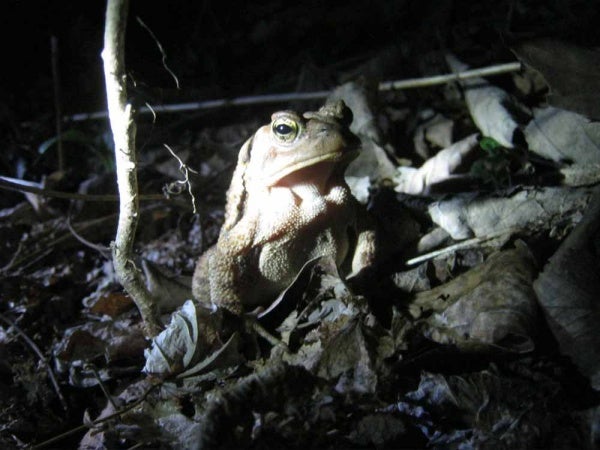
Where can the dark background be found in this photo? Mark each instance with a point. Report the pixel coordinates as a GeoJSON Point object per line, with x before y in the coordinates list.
{"type": "Point", "coordinates": [220, 49]}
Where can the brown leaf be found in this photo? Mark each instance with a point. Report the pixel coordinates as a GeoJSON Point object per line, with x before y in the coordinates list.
{"type": "Point", "coordinates": [568, 291]}
{"type": "Point", "coordinates": [491, 305]}
{"type": "Point", "coordinates": [112, 304]}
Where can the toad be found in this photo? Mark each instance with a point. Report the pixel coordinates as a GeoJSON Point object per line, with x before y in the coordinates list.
{"type": "Point", "coordinates": [288, 203]}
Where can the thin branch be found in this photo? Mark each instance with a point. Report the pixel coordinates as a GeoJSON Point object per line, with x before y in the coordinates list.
{"type": "Point", "coordinates": [447, 78]}
{"type": "Point", "coordinates": [213, 104]}
{"type": "Point", "coordinates": [41, 357]}
{"type": "Point", "coordinates": [124, 131]}
{"type": "Point", "coordinates": [12, 184]}
{"type": "Point", "coordinates": [185, 170]}
{"type": "Point", "coordinates": [45, 245]}
{"type": "Point", "coordinates": [103, 387]}
{"type": "Point", "coordinates": [161, 50]}
{"type": "Point", "coordinates": [96, 422]}
{"type": "Point", "coordinates": [317, 95]}
{"type": "Point", "coordinates": [467, 243]}
{"type": "Point", "coordinates": [102, 249]}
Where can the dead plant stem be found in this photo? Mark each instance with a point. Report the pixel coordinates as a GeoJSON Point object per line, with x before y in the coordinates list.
{"type": "Point", "coordinates": [124, 131]}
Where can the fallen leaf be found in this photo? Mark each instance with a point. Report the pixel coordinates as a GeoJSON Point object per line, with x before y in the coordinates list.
{"type": "Point", "coordinates": [468, 215]}
{"type": "Point", "coordinates": [191, 337]}
{"type": "Point", "coordinates": [491, 108]}
{"type": "Point", "coordinates": [330, 332]}
{"type": "Point", "coordinates": [435, 170]}
{"type": "Point", "coordinates": [490, 306]}
{"type": "Point", "coordinates": [112, 304]}
{"type": "Point", "coordinates": [108, 345]}
{"type": "Point", "coordinates": [568, 290]}
{"type": "Point", "coordinates": [563, 136]}
{"type": "Point", "coordinates": [435, 130]}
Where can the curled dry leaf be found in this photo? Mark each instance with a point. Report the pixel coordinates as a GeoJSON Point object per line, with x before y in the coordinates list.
{"type": "Point", "coordinates": [465, 216]}
{"type": "Point", "coordinates": [490, 305]}
{"type": "Point", "coordinates": [491, 108]}
{"type": "Point", "coordinates": [568, 291]}
{"type": "Point", "coordinates": [190, 344]}
{"type": "Point", "coordinates": [435, 170]}
{"type": "Point", "coordinates": [359, 186]}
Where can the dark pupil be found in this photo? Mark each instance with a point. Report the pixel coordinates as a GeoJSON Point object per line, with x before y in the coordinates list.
{"type": "Point", "coordinates": [283, 129]}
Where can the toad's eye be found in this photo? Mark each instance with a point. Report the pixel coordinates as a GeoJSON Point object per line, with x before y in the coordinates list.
{"type": "Point", "coordinates": [285, 129]}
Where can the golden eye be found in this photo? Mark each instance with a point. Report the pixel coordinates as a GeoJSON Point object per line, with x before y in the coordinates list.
{"type": "Point", "coordinates": [285, 129]}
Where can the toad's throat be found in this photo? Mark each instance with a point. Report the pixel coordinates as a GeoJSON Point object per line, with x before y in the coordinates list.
{"type": "Point", "coordinates": [283, 176]}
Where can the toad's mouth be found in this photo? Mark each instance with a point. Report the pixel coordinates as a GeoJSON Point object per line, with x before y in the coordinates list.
{"type": "Point", "coordinates": [316, 169]}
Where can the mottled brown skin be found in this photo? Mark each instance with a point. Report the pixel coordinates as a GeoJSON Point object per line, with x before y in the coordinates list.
{"type": "Point", "coordinates": [287, 204]}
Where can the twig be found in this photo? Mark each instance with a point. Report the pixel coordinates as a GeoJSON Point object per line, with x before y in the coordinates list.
{"type": "Point", "coordinates": [15, 185]}
{"type": "Point", "coordinates": [45, 246]}
{"type": "Point", "coordinates": [95, 422]}
{"type": "Point", "coordinates": [213, 104]}
{"type": "Point", "coordinates": [316, 95]}
{"type": "Point", "coordinates": [102, 249]}
{"type": "Point", "coordinates": [458, 246]}
{"type": "Point", "coordinates": [443, 79]}
{"type": "Point", "coordinates": [18, 259]}
{"type": "Point", "coordinates": [57, 102]}
{"type": "Point", "coordinates": [262, 332]}
{"type": "Point", "coordinates": [185, 170]}
{"type": "Point", "coordinates": [124, 130]}
{"type": "Point", "coordinates": [41, 356]}
{"type": "Point", "coordinates": [109, 398]}
{"type": "Point", "coordinates": [161, 50]}
{"type": "Point", "coordinates": [13, 258]}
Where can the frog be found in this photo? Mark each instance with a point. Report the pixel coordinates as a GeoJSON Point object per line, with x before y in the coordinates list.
{"type": "Point", "coordinates": [288, 203]}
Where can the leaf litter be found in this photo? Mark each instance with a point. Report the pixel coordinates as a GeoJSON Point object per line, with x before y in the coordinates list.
{"type": "Point", "coordinates": [487, 346]}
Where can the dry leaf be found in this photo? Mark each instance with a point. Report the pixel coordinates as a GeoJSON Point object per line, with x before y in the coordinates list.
{"type": "Point", "coordinates": [562, 135]}
{"type": "Point", "coordinates": [117, 343]}
{"type": "Point", "coordinates": [330, 332]}
{"type": "Point", "coordinates": [436, 130]}
{"type": "Point", "coordinates": [468, 215]}
{"type": "Point", "coordinates": [491, 108]}
{"type": "Point", "coordinates": [435, 170]}
{"type": "Point", "coordinates": [189, 339]}
{"type": "Point", "coordinates": [491, 305]}
{"type": "Point", "coordinates": [569, 293]}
